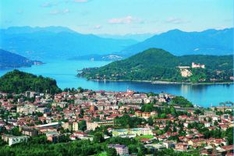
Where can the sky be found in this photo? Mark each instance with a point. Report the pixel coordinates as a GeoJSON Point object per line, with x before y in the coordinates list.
{"type": "Point", "coordinates": [119, 17]}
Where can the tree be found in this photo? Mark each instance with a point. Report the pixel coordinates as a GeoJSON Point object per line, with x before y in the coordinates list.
{"type": "Point", "coordinates": [180, 100]}
{"type": "Point", "coordinates": [18, 82]}
{"type": "Point", "coordinates": [162, 116]}
{"type": "Point", "coordinates": [15, 131]}
{"type": "Point", "coordinates": [229, 135]}
{"type": "Point", "coordinates": [147, 108]}
{"type": "Point", "coordinates": [111, 152]}
{"type": "Point", "coordinates": [98, 137]}
{"type": "Point", "coordinates": [81, 113]}
{"type": "Point", "coordinates": [198, 111]}
{"type": "Point", "coordinates": [150, 121]}
{"type": "Point", "coordinates": [82, 125]}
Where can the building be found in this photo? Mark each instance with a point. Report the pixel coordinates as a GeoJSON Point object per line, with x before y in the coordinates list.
{"type": "Point", "coordinates": [181, 146]}
{"type": "Point", "coordinates": [94, 125]}
{"type": "Point", "coordinates": [29, 131]}
{"type": "Point", "coordinates": [120, 149]}
{"type": "Point", "coordinates": [132, 131]}
{"type": "Point", "coordinates": [194, 65]}
{"type": "Point", "coordinates": [11, 140]}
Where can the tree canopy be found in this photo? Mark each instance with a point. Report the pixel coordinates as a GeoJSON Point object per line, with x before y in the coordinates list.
{"type": "Point", "coordinates": [18, 82]}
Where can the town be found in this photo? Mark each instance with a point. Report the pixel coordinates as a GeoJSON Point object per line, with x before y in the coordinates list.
{"type": "Point", "coordinates": [158, 121]}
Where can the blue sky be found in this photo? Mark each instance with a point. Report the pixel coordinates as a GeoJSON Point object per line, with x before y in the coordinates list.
{"type": "Point", "coordinates": [119, 16]}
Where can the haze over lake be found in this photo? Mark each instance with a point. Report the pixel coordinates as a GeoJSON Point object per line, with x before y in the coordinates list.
{"type": "Point", "coordinates": [64, 72]}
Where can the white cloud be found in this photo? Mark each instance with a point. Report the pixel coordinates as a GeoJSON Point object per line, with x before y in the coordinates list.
{"type": "Point", "coordinates": [60, 12]}
{"type": "Point", "coordinates": [97, 27]}
{"type": "Point", "coordinates": [48, 5]}
{"type": "Point", "coordinates": [124, 20]}
{"type": "Point", "coordinates": [175, 20]}
{"type": "Point", "coordinates": [81, 1]}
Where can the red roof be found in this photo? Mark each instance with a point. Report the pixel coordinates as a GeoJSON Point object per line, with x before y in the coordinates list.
{"type": "Point", "coordinates": [228, 148]}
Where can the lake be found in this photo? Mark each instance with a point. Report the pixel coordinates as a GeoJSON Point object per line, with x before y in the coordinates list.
{"type": "Point", "coordinates": [64, 72]}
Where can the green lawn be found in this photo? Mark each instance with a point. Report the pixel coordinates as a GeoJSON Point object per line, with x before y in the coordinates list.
{"type": "Point", "coordinates": [144, 137]}
{"type": "Point", "coordinates": [102, 154]}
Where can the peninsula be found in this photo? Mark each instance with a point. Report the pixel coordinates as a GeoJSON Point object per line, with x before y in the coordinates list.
{"type": "Point", "coordinates": [159, 66]}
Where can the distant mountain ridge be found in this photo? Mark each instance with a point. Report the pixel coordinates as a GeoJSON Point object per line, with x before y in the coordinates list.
{"type": "Point", "coordinates": [208, 42]}
{"type": "Point", "coordinates": [27, 29]}
{"type": "Point", "coordinates": [57, 42]}
{"type": "Point", "coordinates": [60, 42]}
{"type": "Point", "coordinates": [11, 60]}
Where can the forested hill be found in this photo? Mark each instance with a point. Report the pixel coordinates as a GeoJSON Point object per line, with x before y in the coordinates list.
{"type": "Point", "coordinates": [11, 60]}
{"type": "Point", "coordinates": [157, 64]}
{"type": "Point", "coordinates": [18, 82]}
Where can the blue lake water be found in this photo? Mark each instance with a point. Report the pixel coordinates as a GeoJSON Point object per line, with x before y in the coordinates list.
{"type": "Point", "coordinates": [64, 72]}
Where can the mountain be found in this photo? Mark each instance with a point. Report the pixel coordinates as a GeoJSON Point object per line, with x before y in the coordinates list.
{"type": "Point", "coordinates": [57, 42]}
{"type": "Point", "coordinates": [18, 82]}
{"type": "Point", "coordinates": [136, 37]}
{"type": "Point", "coordinates": [160, 65]}
{"type": "Point", "coordinates": [209, 42]}
{"type": "Point", "coordinates": [11, 60]}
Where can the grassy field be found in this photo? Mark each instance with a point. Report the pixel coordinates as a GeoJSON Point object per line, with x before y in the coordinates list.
{"type": "Point", "coordinates": [144, 137]}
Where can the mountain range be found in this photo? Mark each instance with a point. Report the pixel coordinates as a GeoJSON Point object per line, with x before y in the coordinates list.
{"type": "Point", "coordinates": [57, 42]}
{"type": "Point", "coordinates": [208, 42]}
{"type": "Point", "coordinates": [11, 60]}
{"type": "Point", "coordinates": [61, 42]}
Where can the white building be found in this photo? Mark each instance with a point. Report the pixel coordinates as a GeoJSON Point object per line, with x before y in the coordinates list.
{"type": "Point", "coordinates": [17, 139]}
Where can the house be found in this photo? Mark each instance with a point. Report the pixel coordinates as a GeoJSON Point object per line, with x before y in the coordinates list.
{"type": "Point", "coordinates": [145, 115]}
{"type": "Point", "coordinates": [94, 125]}
{"type": "Point", "coordinates": [197, 142]}
{"type": "Point", "coordinates": [207, 124]}
{"type": "Point", "coordinates": [29, 131]}
{"type": "Point", "coordinates": [75, 126]}
{"type": "Point", "coordinates": [120, 149]}
{"type": "Point", "coordinates": [11, 140]}
{"type": "Point", "coordinates": [181, 146]}
{"type": "Point", "coordinates": [132, 131]}
{"type": "Point", "coordinates": [53, 136]}
{"type": "Point", "coordinates": [169, 144]}
{"type": "Point", "coordinates": [228, 149]}
{"type": "Point", "coordinates": [138, 113]}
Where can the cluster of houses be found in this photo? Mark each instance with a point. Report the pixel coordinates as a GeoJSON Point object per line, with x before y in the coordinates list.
{"type": "Point", "coordinates": [61, 114]}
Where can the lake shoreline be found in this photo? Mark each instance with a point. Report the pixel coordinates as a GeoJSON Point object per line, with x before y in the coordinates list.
{"type": "Point", "coordinates": [166, 82]}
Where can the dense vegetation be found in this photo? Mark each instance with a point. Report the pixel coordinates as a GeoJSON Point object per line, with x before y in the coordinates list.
{"type": "Point", "coordinates": [157, 64]}
{"type": "Point", "coordinates": [38, 146]}
{"type": "Point", "coordinates": [18, 82]}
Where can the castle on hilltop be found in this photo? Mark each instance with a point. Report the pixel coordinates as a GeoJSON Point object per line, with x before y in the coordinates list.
{"type": "Point", "coordinates": [194, 65]}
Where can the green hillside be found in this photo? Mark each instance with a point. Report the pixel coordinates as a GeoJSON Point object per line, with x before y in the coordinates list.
{"type": "Point", "coordinates": [11, 60]}
{"type": "Point", "coordinates": [160, 65]}
{"type": "Point", "coordinates": [18, 82]}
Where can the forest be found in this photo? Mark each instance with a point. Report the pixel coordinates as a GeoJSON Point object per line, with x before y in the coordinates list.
{"type": "Point", "coordinates": [160, 65]}
{"type": "Point", "coordinates": [18, 82]}
{"type": "Point", "coordinates": [99, 147]}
